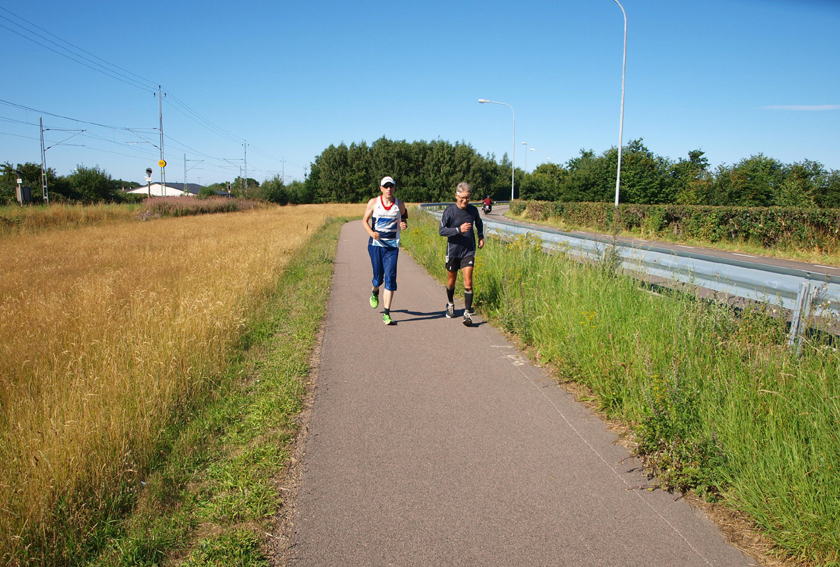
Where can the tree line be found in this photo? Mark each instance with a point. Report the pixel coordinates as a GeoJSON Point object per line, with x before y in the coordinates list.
{"type": "Point", "coordinates": [82, 185]}
{"type": "Point", "coordinates": [429, 171]}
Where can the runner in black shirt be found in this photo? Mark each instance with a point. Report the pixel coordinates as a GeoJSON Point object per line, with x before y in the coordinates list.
{"type": "Point", "coordinates": [460, 223]}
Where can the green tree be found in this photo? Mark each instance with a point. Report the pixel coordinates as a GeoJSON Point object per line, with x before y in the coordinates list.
{"type": "Point", "coordinates": [91, 185]}
{"type": "Point", "coordinates": [752, 182]}
{"type": "Point", "coordinates": [545, 183]}
{"type": "Point", "coordinates": [299, 193]}
{"type": "Point", "coordinates": [691, 181]}
{"type": "Point", "coordinates": [644, 176]}
{"type": "Point", "coordinates": [591, 178]}
{"type": "Point", "coordinates": [31, 175]}
{"type": "Point", "coordinates": [828, 195]}
{"type": "Point", "coordinates": [801, 183]}
{"type": "Point", "coordinates": [274, 191]}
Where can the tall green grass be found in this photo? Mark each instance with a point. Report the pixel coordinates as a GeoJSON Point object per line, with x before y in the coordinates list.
{"type": "Point", "coordinates": [718, 403]}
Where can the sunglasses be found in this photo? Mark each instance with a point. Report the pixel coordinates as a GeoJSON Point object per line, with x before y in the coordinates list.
{"type": "Point", "coordinates": [389, 185]}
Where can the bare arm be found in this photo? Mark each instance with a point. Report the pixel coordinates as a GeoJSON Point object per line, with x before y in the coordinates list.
{"type": "Point", "coordinates": [366, 219]}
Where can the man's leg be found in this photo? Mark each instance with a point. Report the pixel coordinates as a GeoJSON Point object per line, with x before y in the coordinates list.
{"type": "Point", "coordinates": [468, 291]}
{"type": "Point", "coordinates": [450, 293]}
{"type": "Point", "coordinates": [468, 295]}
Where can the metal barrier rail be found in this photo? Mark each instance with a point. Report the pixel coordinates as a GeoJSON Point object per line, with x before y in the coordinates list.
{"type": "Point", "coordinates": [799, 291]}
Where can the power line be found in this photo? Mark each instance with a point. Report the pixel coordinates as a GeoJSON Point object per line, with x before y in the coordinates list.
{"type": "Point", "coordinates": [114, 74]}
{"type": "Point", "coordinates": [19, 136]}
{"type": "Point", "coordinates": [74, 53]}
{"type": "Point", "coordinates": [109, 74]}
{"type": "Point", "coordinates": [204, 121]}
{"type": "Point", "coordinates": [30, 109]}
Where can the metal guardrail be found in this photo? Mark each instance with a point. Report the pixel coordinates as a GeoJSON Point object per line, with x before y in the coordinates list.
{"type": "Point", "coordinates": [799, 291]}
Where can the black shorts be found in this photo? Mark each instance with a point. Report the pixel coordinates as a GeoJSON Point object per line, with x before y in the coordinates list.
{"type": "Point", "coordinates": [455, 264]}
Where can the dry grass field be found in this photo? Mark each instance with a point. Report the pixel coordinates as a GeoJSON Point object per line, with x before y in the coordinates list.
{"type": "Point", "coordinates": [105, 331]}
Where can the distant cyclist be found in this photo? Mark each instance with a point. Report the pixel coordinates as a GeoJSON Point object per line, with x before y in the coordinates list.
{"type": "Point", "coordinates": [459, 224]}
{"type": "Point", "coordinates": [384, 217]}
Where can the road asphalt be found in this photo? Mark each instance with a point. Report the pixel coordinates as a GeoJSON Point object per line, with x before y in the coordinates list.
{"type": "Point", "coordinates": [435, 444]}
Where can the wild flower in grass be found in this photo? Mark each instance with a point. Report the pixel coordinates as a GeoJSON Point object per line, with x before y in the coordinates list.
{"type": "Point", "coordinates": [670, 444]}
{"type": "Point", "coordinates": [588, 319]}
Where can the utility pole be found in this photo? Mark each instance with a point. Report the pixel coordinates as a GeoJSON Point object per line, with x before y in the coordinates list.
{"type": "Point", "coordinates": [162, 160]}
{"type": "Point", "coordinates": [246, 168]}
{"type": "Point", "coordinates": [44, 149]}
{"type": "Point", "coordinates": [187, 169]}
{"type": "Point", "coordinates": [46, 194]}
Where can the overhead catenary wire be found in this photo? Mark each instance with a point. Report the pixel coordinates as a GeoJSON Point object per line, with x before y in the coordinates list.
{"type": "Point", "coordinates": [52, 42]}
{"type": "Point", "coordinates": [120, 74]}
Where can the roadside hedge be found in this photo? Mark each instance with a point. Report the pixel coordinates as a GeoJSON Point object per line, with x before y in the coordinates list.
{"type": "Point", "coordinates": [768, 226]}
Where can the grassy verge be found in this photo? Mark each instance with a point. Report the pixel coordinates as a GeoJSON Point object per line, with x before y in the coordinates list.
{"type": "Point", "coordinates": [210, 499]}
{"type": "Point", "coordinates": [718, 404]}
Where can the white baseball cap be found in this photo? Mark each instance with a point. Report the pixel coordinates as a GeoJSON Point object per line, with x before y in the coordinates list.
{"type": "Point", "coordinates": [385, 180]}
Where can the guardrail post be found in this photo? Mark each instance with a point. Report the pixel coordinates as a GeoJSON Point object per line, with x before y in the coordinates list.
{"type": "Point", "coordinates": [803, 308]}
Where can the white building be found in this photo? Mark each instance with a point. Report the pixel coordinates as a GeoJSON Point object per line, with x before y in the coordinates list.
{"type": "Point", "coordinates": [171, 190]}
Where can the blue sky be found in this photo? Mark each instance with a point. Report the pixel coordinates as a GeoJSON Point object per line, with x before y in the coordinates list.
{"type": "Point", "coordinates": [732, 78]}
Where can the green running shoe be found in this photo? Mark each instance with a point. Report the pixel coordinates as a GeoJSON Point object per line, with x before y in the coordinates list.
{"type": "Point", "coordinates": [374, 300]}
{"type": "Point", "coordinates": [386, 318]}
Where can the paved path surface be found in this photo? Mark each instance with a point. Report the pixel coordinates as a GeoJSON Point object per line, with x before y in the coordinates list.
{"type": "Point", "coordinates": [435, 444]}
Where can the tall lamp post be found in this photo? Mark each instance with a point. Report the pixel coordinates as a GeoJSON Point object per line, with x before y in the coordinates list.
{"type": "Point", "coordinates": [621, 122]}
{"type": "Point", "coordinates": [513, 162]}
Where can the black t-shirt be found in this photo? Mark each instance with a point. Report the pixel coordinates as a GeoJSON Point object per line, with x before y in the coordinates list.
{"type": "Point", "coordinates": [460, 245]}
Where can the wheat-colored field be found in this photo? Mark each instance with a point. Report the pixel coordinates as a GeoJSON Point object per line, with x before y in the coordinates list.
{"type": "Point", "coordinates": [104, 332]}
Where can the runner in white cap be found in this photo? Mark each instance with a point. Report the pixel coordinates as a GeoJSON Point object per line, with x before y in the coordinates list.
{"type": "Point", "coordinates": [384, 217]}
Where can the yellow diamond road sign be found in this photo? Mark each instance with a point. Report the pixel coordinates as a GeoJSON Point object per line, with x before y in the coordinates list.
{"type": "Point", "coordinates": [162, 163]}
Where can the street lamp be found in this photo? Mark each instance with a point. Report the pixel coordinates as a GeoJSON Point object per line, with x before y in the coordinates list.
{"type": "Point", "coordinates": [621, 123]}
{"type": "Point", "coordinates": [513, 161]}
{"type": "Point", "coordinates": [548, 159]}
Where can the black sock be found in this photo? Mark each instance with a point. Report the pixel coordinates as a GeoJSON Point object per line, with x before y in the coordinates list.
{"type": "Point", "coordinates": [468, 295]}
{"type": "Point", "coordinates": [450, 294]}
{"type": "Point", "coordinates": [375, 292]}
{"type": "Point", "coordinates": [387, 311]}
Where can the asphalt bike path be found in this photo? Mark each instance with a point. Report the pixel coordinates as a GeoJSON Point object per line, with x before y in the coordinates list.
{"type": "Point", "coordinates": [432, 443]}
